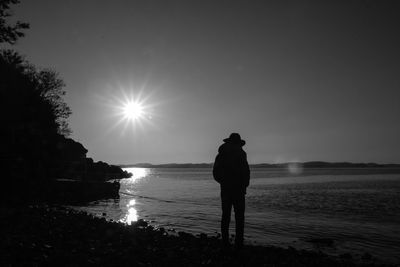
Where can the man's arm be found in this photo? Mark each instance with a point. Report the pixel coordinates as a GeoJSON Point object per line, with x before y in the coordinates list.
{"type": "Point", "coordinates": [246, 170]}
{"type": "Point", "coordinates": [217, 169]}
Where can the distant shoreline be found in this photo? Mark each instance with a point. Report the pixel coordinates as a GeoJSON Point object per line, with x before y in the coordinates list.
{"type": "Point", "coordinates": [304, 165]}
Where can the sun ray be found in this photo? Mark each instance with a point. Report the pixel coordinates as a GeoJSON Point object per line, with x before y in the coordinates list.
{"type": "Point", "coordinates": [130, 109]}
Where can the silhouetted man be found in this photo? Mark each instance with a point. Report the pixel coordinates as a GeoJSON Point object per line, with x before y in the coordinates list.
{"type": "Point", "coordinates": [232, 172]}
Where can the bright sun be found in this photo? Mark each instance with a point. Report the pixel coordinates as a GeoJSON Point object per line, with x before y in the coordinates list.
{"type": "Point", "coordinates": [133, 110]}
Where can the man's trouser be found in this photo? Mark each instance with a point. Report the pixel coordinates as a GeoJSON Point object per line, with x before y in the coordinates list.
{"type": "Point", "coordinates": [230, 199]}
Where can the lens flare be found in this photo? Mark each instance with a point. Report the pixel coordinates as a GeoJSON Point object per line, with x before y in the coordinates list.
{"type": "Point", "coordinates": [295, 168]}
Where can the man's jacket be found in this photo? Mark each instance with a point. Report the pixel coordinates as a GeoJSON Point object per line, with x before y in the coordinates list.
{"type": "Point", "coordinates": [231, 169]}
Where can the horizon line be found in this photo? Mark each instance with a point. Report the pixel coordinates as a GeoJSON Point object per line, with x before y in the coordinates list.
{"type": "Point", "coordinates": [264, 163]}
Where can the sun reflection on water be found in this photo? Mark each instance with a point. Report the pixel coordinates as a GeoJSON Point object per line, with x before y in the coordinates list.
{"type": "Point", "coordinates": [137, 174]}
{"type": "Point", "coordinates": [131, 211]}
{"type": "Point", "coordinates": [132, 215]}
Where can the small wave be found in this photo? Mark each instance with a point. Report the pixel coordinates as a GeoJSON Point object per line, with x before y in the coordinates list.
{"type": "Point", "coordinates": [152, 198]}
{"type": "Point", "coordinates": [193, 203]}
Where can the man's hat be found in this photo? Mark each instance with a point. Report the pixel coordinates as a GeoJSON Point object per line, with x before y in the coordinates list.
{"type": "Point", "coordinates": [235, 138]}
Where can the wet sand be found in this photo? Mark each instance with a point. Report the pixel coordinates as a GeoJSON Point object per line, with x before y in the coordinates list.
{"type": "Point", "coordinates": [43, 235]}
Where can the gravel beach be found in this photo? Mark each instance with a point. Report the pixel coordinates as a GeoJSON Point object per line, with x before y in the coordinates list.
{"type": "Point", "coordinates": [47, 235]}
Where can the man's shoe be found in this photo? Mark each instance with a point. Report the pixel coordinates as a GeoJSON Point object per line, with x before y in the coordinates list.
{"type": "Point", "coordinates": [226, 246]}
{"type": "Point", "coordinates": [238, 245]}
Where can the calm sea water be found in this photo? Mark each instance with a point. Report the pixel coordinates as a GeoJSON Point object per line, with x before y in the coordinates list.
{"type": "Point", "coordinates": [359, 212]}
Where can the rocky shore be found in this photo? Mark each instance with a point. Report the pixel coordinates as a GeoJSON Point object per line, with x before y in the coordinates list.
{"type": "Point", "coordinates": [44, 235]}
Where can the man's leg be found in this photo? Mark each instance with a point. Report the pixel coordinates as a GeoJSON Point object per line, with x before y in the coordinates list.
{"type": "Point", "coordinates": [226, 216]}
{"type": "Point", "coordinates": [239, 207]}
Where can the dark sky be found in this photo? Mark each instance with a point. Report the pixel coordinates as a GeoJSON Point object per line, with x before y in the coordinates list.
{"type": "Point", "coordinates": [301, 80]}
